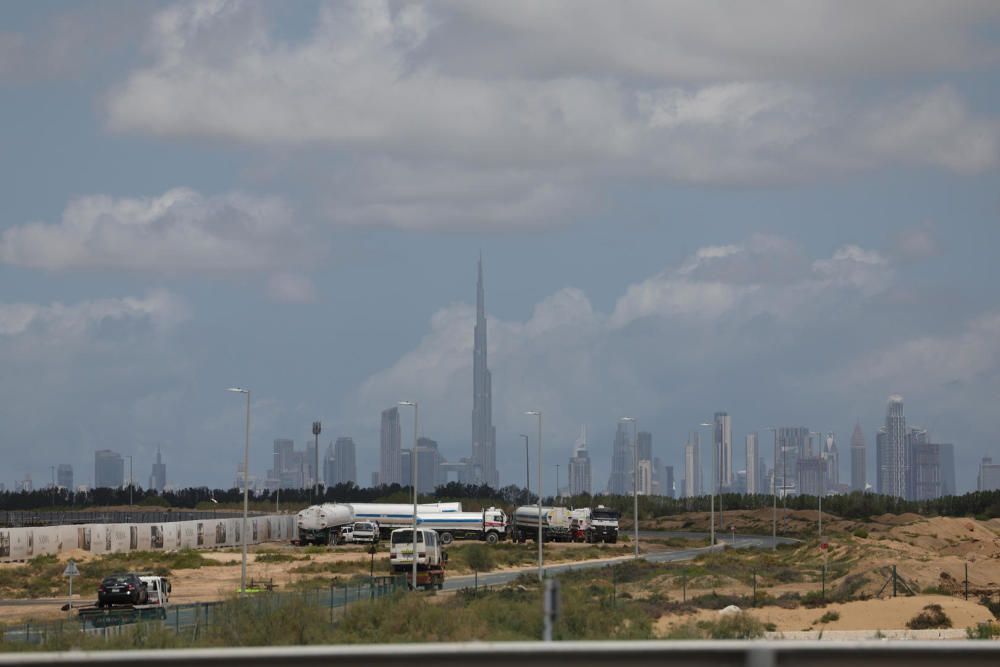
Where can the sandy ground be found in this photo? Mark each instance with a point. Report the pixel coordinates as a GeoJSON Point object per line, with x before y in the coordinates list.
{"type": "Point", "coordinates": [873, 615]}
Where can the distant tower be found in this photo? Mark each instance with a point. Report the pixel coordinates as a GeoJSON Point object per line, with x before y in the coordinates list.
{"type": "Point", "coordinates": [484, 434]}
{"type": "Point", "coordinates": [345, 467]}
{"type": "Point", "coordinates": [579, 466]}
{"type": "Point", "coordinates": [754, 484]}
{"type": "Point", "coordinates": [831, 458]}
{"type": "Point", "coordinates": [109, 469]}
{"type": "Point", "coordinates": [158, 478]}
{"type": "Point", "coordinates": [890, 445]}
{"type": "Point", "coordinates": [858, 481]}
{"type": "Point", "coordinates": [722, 436]}
{"type": "Point", "coordinates": [390, 470]}
{"type": "Point", "coordinates": [64, 476]}
{"type": "Point", "coordinates": [620, 483]}
{"type": "Point", "coordinates": [692, 465]}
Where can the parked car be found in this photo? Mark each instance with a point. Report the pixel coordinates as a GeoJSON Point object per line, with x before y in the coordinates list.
{"type": "Point", "coordinates": [121, 589]}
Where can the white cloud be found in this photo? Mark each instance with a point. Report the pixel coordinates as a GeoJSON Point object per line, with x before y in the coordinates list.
{"type": "Point", "coordinates": [176, 233]}
{"type": "Point", "coordinates": [666, 93]}
{"type": "Point", "coordinates": [918, 243]}
{"type": "Point", "coordinates": [291, 288]}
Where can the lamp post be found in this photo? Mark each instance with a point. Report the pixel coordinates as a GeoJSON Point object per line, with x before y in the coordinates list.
{"type": "Point", "coordinates": [317, 427]}
{"type": "Point", "coordinates": [246, 492]}
{"type": "Point", "coordinates": [712, 542]}
{"type": "Point", "coordinates": [558, 495]}
{"type": "Point", "coordinates": [527, 466]}
{"type": "Point", "coordinates": [414, 459]}
{"type": "Point", "coordinates": [774, 490]}
{"type": "Point", "coordinates": [635, 480]}
{"type": "Point", "coordinates": [277, 488]}
{"type": "Point", "coordinates": [821, 471]}
{"type": "Point", "coordinates": [538, 413]}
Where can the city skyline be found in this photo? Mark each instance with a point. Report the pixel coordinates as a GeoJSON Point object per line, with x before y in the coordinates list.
{"type": "Point", "coordinates": [671, 224]}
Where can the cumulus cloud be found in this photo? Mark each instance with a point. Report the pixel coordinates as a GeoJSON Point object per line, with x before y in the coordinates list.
{"type": "Point", "coordinates": [179, 232]}
{"type": "Point", "coordinates": [653, 92]}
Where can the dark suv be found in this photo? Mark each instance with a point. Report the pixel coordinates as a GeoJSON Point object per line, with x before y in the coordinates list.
{"type": "Point", "coordinates": [121, 589]}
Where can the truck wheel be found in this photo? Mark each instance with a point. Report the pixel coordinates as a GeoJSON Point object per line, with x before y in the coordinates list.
{"type": "Point", "coordinates": [492, 537]}
{"type": "Point", "coordinates": [446, 538]}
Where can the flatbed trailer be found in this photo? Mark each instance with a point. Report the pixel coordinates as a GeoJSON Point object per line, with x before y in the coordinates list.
{"type": "Point", "coordinates": [102, 617]}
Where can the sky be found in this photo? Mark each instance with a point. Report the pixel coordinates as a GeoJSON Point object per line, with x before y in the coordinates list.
{"type": "Point", "coordinates": [785, 211]}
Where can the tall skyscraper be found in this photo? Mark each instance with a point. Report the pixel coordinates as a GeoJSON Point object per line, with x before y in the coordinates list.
{"type": "Point", "coordinates": [722, 436]}
{"type": "Point", "coordinates": [792, 445]}
{"type": "Point", "coordinates": [345, 466]}
{"type": "Point", "coordinates": [620, 483]}
{"type": "Point", "coordinates": [644, 454]}
{"type": "Point", "coordinates": [946, 453]}
{"type": "Point", "coordinates": [890, 446]}
{"type": "Point", "coordinates": [158, 478]}
{"type": "Point", "coordinates": [391, 470]}
{"type": "Point", "coordinates": [667, 482]}
{"type": "Point", "coordinates": [428, 465]}
{"type": "Point", "coordinates": [858, 480]}
{"type": "Point", "coordinates": [692, 465]}
{"type": "Point", "coordinates": [484, 434]}
{"type": "Point", "coordinates": [831, 465]}
{"type": "Point", "coordinates": [109, 469]}
{"type": "Point", "coordinates": [329, 466]}
{"type": "Point", "coordinates": [925, 471]}
{"type": "Point", "coordinates": [64, 476]}
{"type": "Point", "coordinates": [283, 474]}
{"type": "Point", "coordinates": [753, 464]}
{"type": "Point", "coordinates": [989, 475]}
{"type": "Point", "coordinates": [579, 466]}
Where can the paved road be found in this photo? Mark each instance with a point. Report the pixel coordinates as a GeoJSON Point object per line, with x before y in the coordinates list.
{"type": "Point", "coordinates": [742, 541]}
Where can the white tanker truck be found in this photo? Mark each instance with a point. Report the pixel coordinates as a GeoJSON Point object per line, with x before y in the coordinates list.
{"type": "Point", "coordinates": [556, 524]}
{"type": "Point", "coordinates": [322, 524]}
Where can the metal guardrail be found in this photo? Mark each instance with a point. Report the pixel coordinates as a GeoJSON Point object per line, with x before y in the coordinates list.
{"type": "Point", "coordinates": [756, 653]}
{"type": "Point", "coordinates": [28, 518]}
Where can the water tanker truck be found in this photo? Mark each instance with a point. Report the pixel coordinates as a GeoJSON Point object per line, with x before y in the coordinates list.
{"type": "Point", "coordinates": [556, 524]}
{"type": "Point", "coordinates": [489, 525]}
{"type": "Point", "coordinates": [599, 524]}
{"type": "Point", "coordinates": [321, 524]}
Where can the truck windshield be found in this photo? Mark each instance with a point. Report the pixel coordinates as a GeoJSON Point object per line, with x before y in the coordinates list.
{"type": "Point", "coordinates": [406, 537]}
{"type": "Point", "coordinates": [605, 514]}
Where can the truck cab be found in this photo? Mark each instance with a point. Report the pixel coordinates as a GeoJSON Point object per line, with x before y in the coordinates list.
{"type": "Point", "coordinates": [157, 589]}
{"type": "Point", "coordinates": [603, 524]}
{"type": "Point", "coordinates": [430, 559]}
{"type": "Point", "coordinates": [365, 532]}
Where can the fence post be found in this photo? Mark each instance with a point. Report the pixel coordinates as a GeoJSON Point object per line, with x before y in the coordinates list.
{"type": "Point", "coordinates": [177, 620]}
{"type": "Point", "coordinates": [614, 587]}
{"type": "Point", "coordinates": [755, 587]}
{"type": "Point", "coordinates": [684, 579]}
{"type": "Point", "coordinates": [893, 581]}
{"type": "Point", "coordinates": [824, 581]}
{"type": "Point", "coordinates": [966, 581]}
{"type": "Point", "coordinates": [475, 585]}
{"type": "Point", "coordinates": [331, 604]}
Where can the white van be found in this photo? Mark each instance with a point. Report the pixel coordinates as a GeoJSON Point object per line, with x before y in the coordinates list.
{"type": "Point", "coordinates": [157, 588]}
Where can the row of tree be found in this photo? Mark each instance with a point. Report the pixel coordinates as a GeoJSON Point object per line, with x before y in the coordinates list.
{"type": "Point", "coordinates": [852, 506]}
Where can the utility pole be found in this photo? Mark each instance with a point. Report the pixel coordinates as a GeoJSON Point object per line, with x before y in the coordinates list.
{"type": "Point", "coordinates": [527, 466]}
{"type": "Point", "coordinates": [317, 427]}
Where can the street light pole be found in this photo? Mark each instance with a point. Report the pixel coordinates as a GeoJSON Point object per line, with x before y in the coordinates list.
{"type": "Point", "coordinates": [538, 413]}
{"type": "Point", "coordinates": [774, 490]}
{"type": "Point", "coordinates": [558, 495]}
{"type": "Point", "coordinates": [414, 460]}
{"type": "Point", "coordinates": [712, 542]}
{"type": "Point", "coordinates": [635, 481]}
{"type": "Point", "coordinates": [527, 466]}
{"type": "Point", "coordinates": [246, 493]}
{"type": "Point", "coordinates": [130, 478]}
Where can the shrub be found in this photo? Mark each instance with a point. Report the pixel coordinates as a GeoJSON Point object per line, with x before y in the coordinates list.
{"type": "Point", "coordinates": [934, 590]}
{"type": "Point", "coordinates": [274, 557]}
{"type": "Point", "coordinates": [813, 599]}
{"type": "Point", "coordinates": [829, 617]}
{"type": "Point", "coordinates": [479, 557]}
{"type": "Point", "coordinates": [931, 617]}
{"type": "Point", "coordinates": [860, 532]}
{"type": "Point", "coordinates": [983, 631]}
{"type": "Point", "coordinates": [994, 607]}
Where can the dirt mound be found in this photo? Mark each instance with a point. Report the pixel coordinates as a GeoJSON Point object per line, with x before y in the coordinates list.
{"type": "Point", "coordinates": [898, 519]}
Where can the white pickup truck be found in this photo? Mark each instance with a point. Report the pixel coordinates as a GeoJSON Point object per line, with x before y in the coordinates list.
{"type": "Point", "coordinates": [364, 532]}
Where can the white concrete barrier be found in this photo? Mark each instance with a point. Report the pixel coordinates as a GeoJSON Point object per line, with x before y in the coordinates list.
{"type": "Point", "coordinates": [17, 544]}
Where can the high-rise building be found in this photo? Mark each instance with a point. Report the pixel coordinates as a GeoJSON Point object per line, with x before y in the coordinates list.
{"type": "Point", "coordinates": [831, 465]}
{"type": "Point", "coordinates": [283, 448]}
{"type": "Point", "coordinates": [345, 466]}
{"type": "Point", "coordinates": [484, 434]}
{"type": "Point", "coordinates": [329, 466]}
{"type": "Point", "coordinates": [989, 475]}
{"type": "Point", "coordinates": [890, 450]}
{"type": "Point", "coordinates": [914, 438]}
{"type": "Point", "coordinates": [925, 471]}
{"type": "Point", "coordinates": [667, 482]}
{"type": "Point", "coordinates": [109, 469]}
{"type": "Point", "coordinates": [620, 483]}
{"type": "Point", "coordinates": [644, 455]}
{"type": "Point", "coordinates": [64, 476]}
{"type": "Point", "coordinates": [390, 469]}
{"type": "Point", "coordinates": [722, 437]}
{"type": "Point", "coordinates": [754, 480]}
{"type": "Point", "coordinates": [692, 465]}
{"type": "Point", "coordinates": [158, 478]}
{"type": "Point", "coordinates": [792, 444]}
{"type": "Point", "coordinates": [428, 465]}
{"type": "Point", "coordinates": [946, 454]}
{"type": "Point", "coordinates": [809, 473]}
{"type": "Point", "coordinates": [406, 465]}
{"type": "Point", "coordinates": [579, 466]}
{"type": "Point", "coordinates": [858, 479]}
